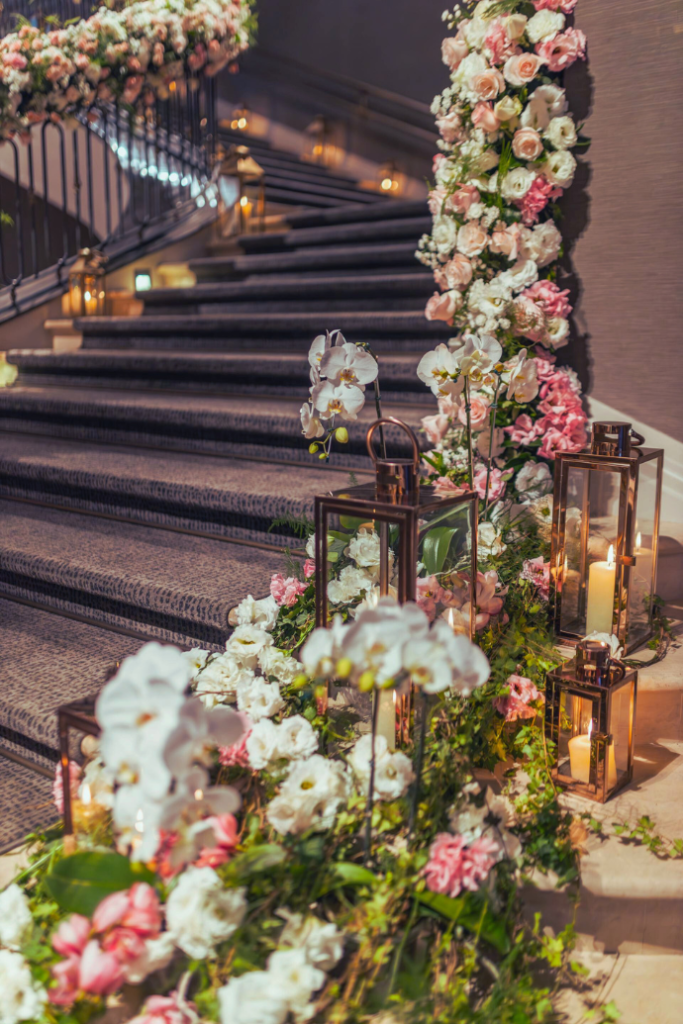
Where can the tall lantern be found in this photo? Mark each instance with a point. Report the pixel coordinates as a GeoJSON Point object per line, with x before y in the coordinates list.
{"type": "Point", "coordinates": [241, 186]}
{"type": "Point", "coordinates": [590, 714]}
{"type": "Point", "coordinates": [604, 539]}
{"type": "Point", "coordinates": [87, 287]}
{"type": "Point", "coordinates": [426, 545]}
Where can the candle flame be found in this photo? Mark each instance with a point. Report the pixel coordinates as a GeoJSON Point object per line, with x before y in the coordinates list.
{"type": "Point", "coordinates": [610, 557]}
{"type": "Point", "coordinates": [139, 826]}
{"type": "Point", "coordinates": [451, 618]}
{"type": "Point", "coordinates": [372, 599]}
{"type": "Point", "coordinates": [590, 729]}
{"type": "Point", "coordinates": [639, 541]}
{"type": "Point", "coordinates": [86, 795]}
{"type": "Point", "coordinates": [199, 794]}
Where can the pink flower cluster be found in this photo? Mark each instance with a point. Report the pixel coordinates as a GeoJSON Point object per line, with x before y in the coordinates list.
{"type": "Point", "coordinates": [490, 598]}
{"type": "Point", "coordinates": [169, 1009]}
{"type": "Point", "coordinates": [496, 482]}
{"type": "Point", "coordinates": [566, 6]}
{"type": "Point", "coordinates": [537, 572]}
{"type": "Point", "coordinates": [562, 424]}
{"type": "Point", "coordinates": [286, 591]}
{"type": "Point", "coordinates": [226, 834]}
{"type": "Point", "coordinates": [430, 594]}
{"type": "Point", "coordinates": [236, 756]}
{"type": "Point", "coordinates": [562, 49]}
{"type": "Point", "coordinates": [98, 952]}
{"type": "Point", "coordinates": [516, 704]}
{"type": "Point", "coordinates": [548, 297]}
{"type": "Point", "coordinates": [309, 568]}
{"type": "Point", "coordinates": [536, 199]}
{"type": "Point", "coordinates": [454, 866]}
{"type": "Point", "coordinates": [58, 786]}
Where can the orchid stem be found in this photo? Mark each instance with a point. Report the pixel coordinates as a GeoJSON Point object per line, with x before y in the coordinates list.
{"type": "Point", "coordinates": [494, 409]}
{"type": "Point", "coordinates": [470, 456]}
{"type": "Point", "coordinates": [378, 409]}
{"type": "Point", "coordinates": [418, 766]}
{"type": "Point", "coordinates": [371, 791]}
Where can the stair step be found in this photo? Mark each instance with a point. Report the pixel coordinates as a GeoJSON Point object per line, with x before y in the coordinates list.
{"type": "Point", "coordinates": [404, 330]}
{"type": "Point", "coordinates": [228, 498]}
{"type": "Point", "coordinates": [253, 372]}
{"type": "Point", "coordinates": [303, 187]}
{"type": "Point", "coordinates": [326, 258]}
{"type": "Point", "coordinates": [285, 197]}
{"type": "Point", "coordinates": [348, 214]}
{"type": "Point", "coordinates": [391, 229]}
{"type": "Point", "coordinates": [171, 586]}
{"type": "Point", "coordinates": [26, 801]}
{"type": "Point", "coordinates": [251, 427]}
{"type": "Point", "coordinates": [62, 660]}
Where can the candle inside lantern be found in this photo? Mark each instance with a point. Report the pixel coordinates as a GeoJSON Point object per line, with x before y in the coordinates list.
{"type": "Point", "coordinates": [386, 716]}
{"type": "Point", "coordinates": [600, 604]}
{"type": "Point", "coordinates": [75, 296]}
{"type": "Point", "coordinates": [90, 303]}
{"type": "Point", "coordinates": [580, 759]}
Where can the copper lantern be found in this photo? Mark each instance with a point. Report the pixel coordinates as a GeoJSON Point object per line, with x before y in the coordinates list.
{"type": "Point", "coordinates": [590, 718]}
{"type": "Point", "coordinates": [87, 291]}
{"type": "Point", "coordinates": [241, 185]}
{"type": "Point", "coordinates": [604, 540]}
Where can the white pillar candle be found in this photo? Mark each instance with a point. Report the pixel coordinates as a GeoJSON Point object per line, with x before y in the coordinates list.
{"type": "Point", "coordinates": [600, 603]}
{"type": "Point", "coordinates": [580, 759]}
{"type": "Point", "coordinates": [386, 716]}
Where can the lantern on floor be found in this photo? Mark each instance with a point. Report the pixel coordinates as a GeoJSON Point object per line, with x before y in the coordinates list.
{"type": "Point", "coordinates": [241, 186]}
{"type": "Point", "coordinates": [87, 289]}
{"type": "Point", "coordinates": [590, 717]}
{"type": "Point", "coordinates": [412, 542]}
{"type": "Point", "coordinates": [604, 540]}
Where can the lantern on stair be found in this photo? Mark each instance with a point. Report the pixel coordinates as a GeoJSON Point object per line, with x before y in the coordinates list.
{"type": "Point", "coordinates": [411, 542]}
{"type": "Point", "coordinates": [241, 186]}
{"type": "Point", "coordinates": [87, 284]}
{"type": "Point", "coordinates": [606, 510]}
{"type": "Point", "coordinates": [590, 718]}
{"type": "Point", "coordinates": [390, 179]}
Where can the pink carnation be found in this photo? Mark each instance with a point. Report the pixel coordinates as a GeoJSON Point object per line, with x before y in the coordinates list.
{"type": "Point", "coordinates": [286, 591]}
{"type": "Point", "coordinates": [453, 866]}
{"type": "Point", "coordinates": [309, 568]}
{"type": "Point", "coordinates": [545, 364]}
{"type": "Point", "coordinates": [516, 704]}
{"type": "Point", "coordinates": [549, 297]}
{"type": "Point", "coordinates": [496, 483]}
{"type": "Point", "coordinates": [236, 756]}
{"type": "Point", "coordinates": [563, 49]}
{"type": "Point", "coordinates": [536, 199]}
{"type": "Point", "coordinates": [566, 6]}
{"type": "Point", "coordinates": [166, 1010]}
{"type": "Point", "coordinates": [72, 936]}
{"type": "Point", "coordinates": [537, 572]}
{"type": "Point", "coordinates": [555, 440]}
{"type": "Point", "coordinates": [524, 430]}
{"type": "Point", "coordinates": [499, 44]}
{"type": "Point", "coordinates": [58, 787]}
{"type": "Point", "coordinates": [479, 412]}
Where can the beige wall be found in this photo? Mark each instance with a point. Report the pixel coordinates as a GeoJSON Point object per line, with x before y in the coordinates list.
{"type": "Point", "coordinates": [628, 256]}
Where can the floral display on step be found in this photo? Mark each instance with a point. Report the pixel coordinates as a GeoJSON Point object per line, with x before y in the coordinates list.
{"type": "Point", "coordinates": [132, 54]}
{"type": "Point", "coordinates": [506, 141]}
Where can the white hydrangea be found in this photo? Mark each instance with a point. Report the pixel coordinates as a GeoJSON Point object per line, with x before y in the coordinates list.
{"type": "Point", "coordinates": [21, 998]}
{"type": "Point", "coordinates": [16, 921]}
{"type": "Point", "coordinates": [201, 912]}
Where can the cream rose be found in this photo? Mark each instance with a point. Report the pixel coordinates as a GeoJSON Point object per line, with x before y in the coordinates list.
{"type": "Point", "coordinates": [526, 144]}
{"type": "Point", "coordinates": [553, 97]}
{"type": "Point", "coordinates": [559, 168]}
{"type": "Point", "coordinates": [488, 84]}
{"type": "Point", "coordinates": [544, 25]}
{"type": "Point", "coordinates": [542, 244]}
{"type": "Point", "coordinates": [561, 132]}
{"type": "Point", "coordinates": [557, 329]}
{"type": "Point", "coordinates": [453, 52]}
{"type": "Point", "coordinates": [507, 108]}
{"type": "Point", "coordinates": [522, 68]}
{"type": "Point", "coordinates": [458, 272]}
{"type": "Point", "coordinates": [515, 25]}
{"type": "Point", "coordinates": [516, 183]}
{"type": "Point", "coordinates": [472, 239]}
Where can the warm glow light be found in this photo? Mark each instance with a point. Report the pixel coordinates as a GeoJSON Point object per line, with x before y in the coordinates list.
{"type": "Point", "coordinates": [244, 201]}
{"type": "Point", "coordinates": [639, 542]}
{"type": "Point", "coordinates": [139, 826]}
{"type": "Point", "coordinates": [610, 556]}
{"type": "Point", "coordinates": [199, 794]}
{"type": "Point", "coordinates": [87, 296]}
{"type": "Point", "coordinates": [590, 729]}
{"type": "Point", "coordinates": [86, 795]}
{"type": "Point", "coordinates": [387, 184]}
{"type": "Point", "coordinates": [172, 86]}
{"type": "Point", "coordinates": [242, 122]}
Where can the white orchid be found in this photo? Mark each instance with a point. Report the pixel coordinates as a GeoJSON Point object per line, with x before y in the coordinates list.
{"type": "Point", "coordinates": [439, 370]}
{"type": "Point", "coordinates": [521, 377]}
{"type": "Point", "coordinates": [323, 649]}
{"type": "Point", "coordinates": [322, 344]}
{"type": "Point", "coordinates": [349, 364]}
{"type": "Point", "coordinates": [332, 399]}
{"type": "Point", "coordinates": [310, 423]}
{"type": "Point", "coordinates": [480, 354]}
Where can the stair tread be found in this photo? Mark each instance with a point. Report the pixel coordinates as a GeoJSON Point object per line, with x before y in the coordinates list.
{"type": "Point", "coordinates": [26, 801]}
{"type": "Point", "coordinates": [140, 357]}
{"type": "Point", "coordinates": [197, 324]}
{"type": "Point", "coordinates": [353, 232]}
{"type": "Point", "coordinates": [317, 257]}
{"type": "Point", "coordinates": [345, 214]}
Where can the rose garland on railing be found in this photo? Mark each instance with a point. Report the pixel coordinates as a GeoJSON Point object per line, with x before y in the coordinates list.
{"type": "Point", "coordinates": [505, 161]}
{"type": "Point", "coordinates": [127, 55]}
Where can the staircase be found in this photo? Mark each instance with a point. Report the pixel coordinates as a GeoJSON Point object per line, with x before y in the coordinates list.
{"type": "Point", "coordinates": [140, 475]}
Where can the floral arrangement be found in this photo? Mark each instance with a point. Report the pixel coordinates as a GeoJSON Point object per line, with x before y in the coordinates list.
{"type": "Point", "coordinates": [127, 54]}
{"type": "Point", "coordinates": [505, 407]}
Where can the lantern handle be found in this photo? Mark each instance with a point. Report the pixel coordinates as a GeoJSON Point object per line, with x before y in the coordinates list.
{"type": "Point", "coordinates": [636, 438]}
{"type": "Point", "coordinates": [397, 423]}
{"type": "Point", "coordinates": [618, 666]}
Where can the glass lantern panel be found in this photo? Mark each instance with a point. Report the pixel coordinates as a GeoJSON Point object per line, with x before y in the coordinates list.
{"type": "Point", "coordinates": [621, 727]}
{"type": "Point", "coordinates": [641, 577]}
{"type": "Point", "coordinates": [591, 532]}
{"type": "Point", "coordinates": [363, 556]}
{"type": "Point", "coordinates": [444, 568]}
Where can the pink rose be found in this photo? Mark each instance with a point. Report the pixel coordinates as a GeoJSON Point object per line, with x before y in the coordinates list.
{"type": "Point", "coordinates": [489, 598]}
{"type": "Point", "coordinates": [529, 321]}
{"type": "Point", "coordinates": [536, 199]}
{"type": "Point", "coordinates": [506, 238]}
{"type": "Point", "coordinates": [479, 411]}
{"type": "Point", "coordinates": [442, 306]}
{"type": "Point", "coordinates": [435, 427]}
{"type": "Point", "coordinates": [472, 239]}
{"type": "Point", "coordinates": [450, 127]}
{"type": "Point", "coordinates": [484, 118]}
{"type": "Point", "coordinates": [436, 200]}
{"type": "Point", "coordinates": [526, 144]}
{"type": "Point", "coordinates": [566, 6]}
{"type": "Point", "coordinates": [498, 43]}
{"type": "Point", "coordinates": [522, 68]}
{"type": "Point", "coordinates": [132, 88]}
{"type": "Point", "coordinates": [136, 908]}
{"type": "Point", "coordinates": [72, 936]}
{"type": "Point", "coordinates": [286, 591]}
{"type": "Point", "coordinates": [545, 365]}
{"type": "Point", "coordinates": [445, 486]}
{"type": "Point", "coordinates": [524, 430]}
{"type": "Point", "coordinates": [548, 296]}
{"type": "Point", "coordinates": [453, 51]}
{"type": "Point", "coordinates": [454, 275]}
{"type": "Point", "coordinates": [166, 1010]}
{"type": "Point", "coordinates": [99, 973]}
{"type": "Point", "coordinates": [65, 973]}
{"type": "Point", "coordinates": [125, 944]}
{"type": "Point", "coordinates": [496, 483]}
{"type": "Point", "coordinates": [57, 785]}
{"type": "Point", "coordinates": [538, 572]}
{"type": "Point", "coordinates": [309, 568]}
{"type": "Point", "coordinates": [453, 866]}
{"type": "Point", "coordinates": [563, 49]}
{"type": "Point", "coordinates": [464, 197]}
{"type": "Point", "coordinates": [487, 84]}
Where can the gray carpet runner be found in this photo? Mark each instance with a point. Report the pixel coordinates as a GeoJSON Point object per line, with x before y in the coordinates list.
{"type": "Point", "coordinates": [140, 475]}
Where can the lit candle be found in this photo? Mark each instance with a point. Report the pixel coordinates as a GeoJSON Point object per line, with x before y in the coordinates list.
{"type": "Point", "coordinates": [75, 300]}
{"type": "Point", "coordinates": [386, 716]}
{"type": "Point", "coordinates": [90, 303]}
{"type": "Point", "coordinates": [580, 759]}
{"type": "Point", "coordinates": [600, 604]}
{"type": "Point", "coordinates": [86, 811]}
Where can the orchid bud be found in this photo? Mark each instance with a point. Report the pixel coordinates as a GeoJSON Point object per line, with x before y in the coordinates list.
{"type": "Point", "coordinates": [313, 448]}
{"type": "Point", "coordinates": [344, 668]}
{"type": "Point", "coordinates": [342, 435]}
{"type": "Point", "coordinates": [366, 681]}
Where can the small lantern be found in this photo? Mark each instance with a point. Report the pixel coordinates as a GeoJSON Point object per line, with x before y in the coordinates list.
{"type": "Point", "coordinates": [426, 544]}
{"type": "Point", "coordinates": [239, 121]}
{"type": "Point", "coordinates": [241, 185]}
{"type": "Point", "coordinates": [390, 179]}
{"type": "Point", "coordinates": [320, 148]}
{"type": "Point", "coordinates": [605, 533]}
{"type": "Point", "coordinates": [590, 716]}
{"type": "Point", "coordinates": [87, 291]}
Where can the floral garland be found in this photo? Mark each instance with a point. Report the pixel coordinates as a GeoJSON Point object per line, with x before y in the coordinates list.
{"type": "Point", "coordinates": [116, 55]}
{"type": "Point", "coordinates": [505, 160]}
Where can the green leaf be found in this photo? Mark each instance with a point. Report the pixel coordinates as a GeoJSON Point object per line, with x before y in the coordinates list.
{"type": "Point", "coordinates": [467, 911]}
{"type": "Point", "coordinates": [257, 859]}
{"type": "Point", "coordinates": [447, 906]}
{"type": "Point", "coordinates": [80, 882]}
{"type": "Point", "coordinates": [435, 548]}
{"type": "Point", "coordinates": [350, 874]}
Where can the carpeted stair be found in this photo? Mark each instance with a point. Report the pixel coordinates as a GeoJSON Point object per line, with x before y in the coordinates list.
{"type": "Point", "coordinates": [140, 476]}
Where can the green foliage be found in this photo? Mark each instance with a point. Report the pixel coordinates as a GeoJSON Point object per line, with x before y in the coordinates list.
{"type": "Point", "coordinates": [80, 882]}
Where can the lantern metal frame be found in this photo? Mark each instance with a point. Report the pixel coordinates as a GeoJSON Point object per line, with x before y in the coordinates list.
{"type": "Point", "coordinates": [567, 679]}
{"type": "Point", "coordinates": [87, 275]}
{"type": "Point", "coordinates": [79, 715]}
{"type": "Point", "coordinates": [623, 460]}
{"type": "Point", "coordinates": [239, 163]}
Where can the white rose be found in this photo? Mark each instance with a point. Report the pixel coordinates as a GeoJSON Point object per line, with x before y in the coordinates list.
{"type": "Point", "coordinates": [489, 541]}
{"type": "Point", "coordinates": [523, 274]}
{"type": "Point", "coordinates": [21, 998]}
{"type": "Point", "coordinates": [557, 331]}
{"type": "Point", "coordinates": [157, 955]}
{"type": "Point", "coordinates": [507, 108]}
{"type": "Point", "coordinates": [559, 168]}
{"type": "Point", "coordinates": [252, 999]}
{"type": "Point", "coordinates": [201, 912]}
{"type": "Point", "coordinates": [534, 480]}
{"type": "Point", "coordinates": [274, 662]}
{"type": "Point", "coordinates": [263, 612]}
{"type": "Point", "coordinates": [350, 584]}
{"type": "Point", "coordinates": [544, 25]}
{"type": "Point", "coordinates": [259, 699]}
{"type": "Point", "coordinates": [393, 771]}
{"type": "Point", "coordinates": [553, 97]}
{"type": "Point", "coordinates": [16, 921]}
{"type": "Point", "coordinates": [535, 115]}
{"type": "Point", "coordinates": [321, 941]}
{"type": "Point", "coordinates": [310, 796]}
{"type": "Point", "coordinates": [444, 234]}
{"type": "Point", "coordinates": [246, 643]}
{"type": "Point", "coordinates": [516, 183]}
{"type": "Point", "coordinates": [218, 683]}
{"type": "Point", "coordinates": [297, 738]}
{"type": "Point", "coordinates": [196, 658]}
{"type": "Point", "coordinates": [542, 244]}
{"type": "Point", "coordinates": [263, 744]}
{"type": "Point", "coordinates": [561, 132]}
{"type": "Point", "coordinates": [515, 25]}
{"type": "Point", "coordinates": [364, 549]}
{"type": "Point", "coordinates": [291, 974]}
